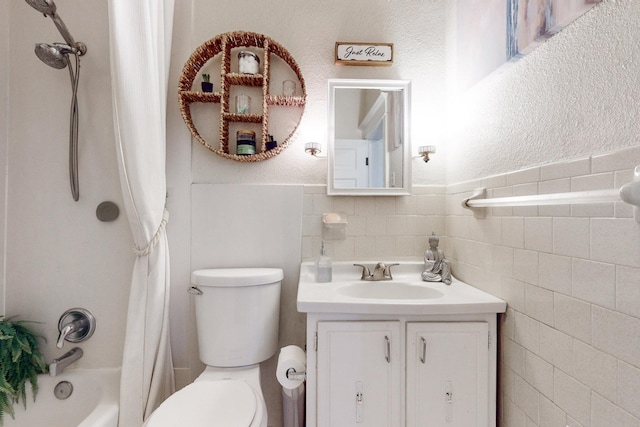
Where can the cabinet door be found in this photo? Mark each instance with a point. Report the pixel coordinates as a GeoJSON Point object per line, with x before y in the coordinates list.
{"type": "Point", "coordinates": [447, 374]}
{"type": "Point", "coordinates": [358, 374]}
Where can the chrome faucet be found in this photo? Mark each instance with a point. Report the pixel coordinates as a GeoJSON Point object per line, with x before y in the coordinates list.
{"type": "Point", "coordinates": [57, 366]}
{"type": "Point", "coordinates": [381, 271]}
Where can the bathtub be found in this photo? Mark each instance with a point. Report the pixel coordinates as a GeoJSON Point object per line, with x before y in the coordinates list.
{"type": "Point", "coordinates": [93, 402]}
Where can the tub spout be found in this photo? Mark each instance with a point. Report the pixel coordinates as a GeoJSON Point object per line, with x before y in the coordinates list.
{"type": "Point", "coordinates": [58, 365]}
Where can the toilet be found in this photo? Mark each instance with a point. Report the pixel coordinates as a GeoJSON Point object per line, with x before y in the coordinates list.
{"type": "Point", "coordinates": [237, 315]}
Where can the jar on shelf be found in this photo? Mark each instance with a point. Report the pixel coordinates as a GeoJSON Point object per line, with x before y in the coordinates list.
{"type": "Point", "coordinates": [245, 142]}
{"type": "Point", "coordinates": [248, 62]}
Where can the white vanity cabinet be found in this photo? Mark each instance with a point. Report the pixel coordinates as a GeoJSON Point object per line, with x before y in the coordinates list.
{"type": "Point", "coordinates": [360, 384]}
{"type": "Point", "coordinates": [398, 353]}
{"type": "Point", "coordinates": [447, 375]}
{"type": "Point", "coordinates": [392, 371]}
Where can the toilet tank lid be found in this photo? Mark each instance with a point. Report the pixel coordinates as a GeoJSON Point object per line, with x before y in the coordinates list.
{"type": "Point", "coordinates": [231, 277]}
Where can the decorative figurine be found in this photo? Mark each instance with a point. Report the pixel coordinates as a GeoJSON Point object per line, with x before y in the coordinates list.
{"type": "Point", "coordinates": [436, 267]}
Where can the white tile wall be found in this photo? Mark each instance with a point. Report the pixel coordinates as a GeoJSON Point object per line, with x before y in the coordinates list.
{"type": "Point", "coordinates": [539, 373]}
{"type": "Point", "coordinates": [572, 396]}
{"type": "Point", "coordinates": [379, 228]}
{"type": "Point", "coordinates": [570, 341]}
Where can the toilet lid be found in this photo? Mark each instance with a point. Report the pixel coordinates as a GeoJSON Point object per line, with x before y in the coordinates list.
{"type": "Point", "coordinates": [224, 403]}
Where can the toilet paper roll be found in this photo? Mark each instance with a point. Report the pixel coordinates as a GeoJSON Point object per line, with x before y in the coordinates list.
{"type": "Point", "coordinates": [294, 357]}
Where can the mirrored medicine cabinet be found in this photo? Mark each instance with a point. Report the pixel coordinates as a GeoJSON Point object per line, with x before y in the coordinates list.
{"type": "Point", "coordinates": [369, 151]}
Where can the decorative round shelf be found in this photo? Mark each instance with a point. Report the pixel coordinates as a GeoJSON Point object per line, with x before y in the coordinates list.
{"type": "Point", "coordinates": [223, 44]}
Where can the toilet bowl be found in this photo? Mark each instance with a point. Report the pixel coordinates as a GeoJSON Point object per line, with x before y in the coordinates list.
{"type": "Point", "coordinates": [237, 316]}
{"type": "Point", "coordinates": [229, 397]}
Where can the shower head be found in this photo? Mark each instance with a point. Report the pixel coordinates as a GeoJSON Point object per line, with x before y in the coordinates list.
{"type": "Point", "coordinates": [48, 7]}
{"type": "Point", "coordinates": [54, 55]}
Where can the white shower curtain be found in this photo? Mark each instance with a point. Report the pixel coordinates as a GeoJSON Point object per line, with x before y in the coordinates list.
{"type": "Point", "coordinates": [140, 43]}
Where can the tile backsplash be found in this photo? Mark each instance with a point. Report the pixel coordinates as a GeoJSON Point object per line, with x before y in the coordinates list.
{"type": "Point", "coordinates": [379, 228]}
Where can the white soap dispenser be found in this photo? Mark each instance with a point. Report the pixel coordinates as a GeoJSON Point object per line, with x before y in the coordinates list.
{"type": "Point", "coordinates": [323, 267]}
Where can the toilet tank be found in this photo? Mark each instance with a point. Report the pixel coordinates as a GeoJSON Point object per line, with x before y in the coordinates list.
{"type": "Point", "coordinates": [237, 314]}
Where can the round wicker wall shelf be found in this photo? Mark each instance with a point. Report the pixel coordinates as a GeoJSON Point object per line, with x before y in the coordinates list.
{"type": "Point", "coordinates": [223, 44]}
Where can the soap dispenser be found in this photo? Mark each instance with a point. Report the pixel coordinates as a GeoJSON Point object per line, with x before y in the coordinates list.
{"type": "Point", "coordinates": [323, 267]}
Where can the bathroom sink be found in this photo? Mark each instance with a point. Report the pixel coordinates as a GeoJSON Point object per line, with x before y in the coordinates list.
{"type": "Point", "coordinates": [388, 290]}
{"type": "Point", "coordinates": [405, 294]}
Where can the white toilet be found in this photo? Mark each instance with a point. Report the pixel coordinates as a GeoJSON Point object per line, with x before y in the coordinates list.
{"type": "Point", "coordinates": [237, 316]}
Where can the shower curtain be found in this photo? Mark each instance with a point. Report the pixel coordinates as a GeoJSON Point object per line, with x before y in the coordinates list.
{"type": "Point", "coordinates": [140, 43]}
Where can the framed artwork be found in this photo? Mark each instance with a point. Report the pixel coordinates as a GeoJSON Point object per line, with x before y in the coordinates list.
{"type": "Point", "coordinates": [490, 33]}
{"type": "Point", "coordinates": [532, 22]}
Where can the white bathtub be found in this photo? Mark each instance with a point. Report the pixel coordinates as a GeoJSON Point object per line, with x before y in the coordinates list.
{"type": "Point", "coordinates": [93, 403]}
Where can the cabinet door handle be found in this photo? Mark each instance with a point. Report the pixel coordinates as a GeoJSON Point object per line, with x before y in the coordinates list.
{"type": "Point", "coordinates": [359, 402]}
{"type": "Point", "coordinates": [387, 349]}
{"type": "Point", "coordinates": [423, 358]}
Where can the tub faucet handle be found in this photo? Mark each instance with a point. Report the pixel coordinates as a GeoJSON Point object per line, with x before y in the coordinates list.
{"type": "Point", "coordinates": [75, 325]}
{"type": "Point", "coordinates": [64, 333]}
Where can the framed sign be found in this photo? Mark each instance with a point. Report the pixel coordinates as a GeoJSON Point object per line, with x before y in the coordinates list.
{"type": "Point", "coordinates": [364, 53]}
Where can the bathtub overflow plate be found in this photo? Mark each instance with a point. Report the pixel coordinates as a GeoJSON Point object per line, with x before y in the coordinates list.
{"type": "Point", "coordinates": [63, 390]}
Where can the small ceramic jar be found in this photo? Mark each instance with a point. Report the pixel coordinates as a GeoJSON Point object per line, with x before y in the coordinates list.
{"type": "Point", "coordinates": [248, 62]}
{"type": "Point", "coordinates": [245, 142]}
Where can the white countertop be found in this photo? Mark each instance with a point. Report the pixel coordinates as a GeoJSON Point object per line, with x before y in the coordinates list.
{"type": "Point", "coordinates": [457, 298]}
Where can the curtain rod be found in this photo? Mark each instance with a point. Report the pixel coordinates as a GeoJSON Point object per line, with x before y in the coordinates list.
{"type": "Point", "coordinates": [628, 193]}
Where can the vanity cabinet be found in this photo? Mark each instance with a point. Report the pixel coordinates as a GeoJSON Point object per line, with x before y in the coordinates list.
{"type": "Point", "coordinates": [360, 384]}
{"type": "Point", "coordinates": [447, 376]}
{"type": "Point", "coordinates": [440, 342]}
{"type": "Point", "coordinates": [390, 371]}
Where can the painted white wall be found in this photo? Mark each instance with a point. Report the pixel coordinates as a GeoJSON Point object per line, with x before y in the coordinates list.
{"type": "Point", "coordinates": [4, 101]}
{"type": "Point", "coordinates": [574, 95]}
{"type": "Point", "coordinates": [417, 29]}
{"type": "Point", "coordinates": [59, 255]}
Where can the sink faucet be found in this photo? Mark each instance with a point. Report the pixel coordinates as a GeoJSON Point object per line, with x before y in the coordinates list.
{"type": "Point", "coordinates": [57, 366]}
{"type": "Point", "coordinates": [380, 272]}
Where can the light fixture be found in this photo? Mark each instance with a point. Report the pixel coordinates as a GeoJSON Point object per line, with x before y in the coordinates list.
{"type": "Point", "coordinates": [425, 150]}
{"type": "Point", "coordinates": [313, 148]}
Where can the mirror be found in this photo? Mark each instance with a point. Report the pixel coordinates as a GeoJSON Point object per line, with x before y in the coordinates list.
{"type": "Point", "coordinates": [369, 151]}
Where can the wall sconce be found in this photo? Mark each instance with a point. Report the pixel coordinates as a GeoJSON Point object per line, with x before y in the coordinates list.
{"type": "Point", "coordinates": [425, 150]}
{"type": "Point", "coordinates": [313, 148]}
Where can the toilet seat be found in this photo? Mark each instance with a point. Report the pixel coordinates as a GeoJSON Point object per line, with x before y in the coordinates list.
{"type": "Point", "coordinates": [224, 403]}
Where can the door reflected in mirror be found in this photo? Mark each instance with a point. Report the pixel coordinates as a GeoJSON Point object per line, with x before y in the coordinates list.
{"type": "Point", "coordinates": [369, 147]}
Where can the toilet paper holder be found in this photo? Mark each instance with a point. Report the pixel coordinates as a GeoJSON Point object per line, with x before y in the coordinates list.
{"type": "Point", "coordinates": [294, 375]}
